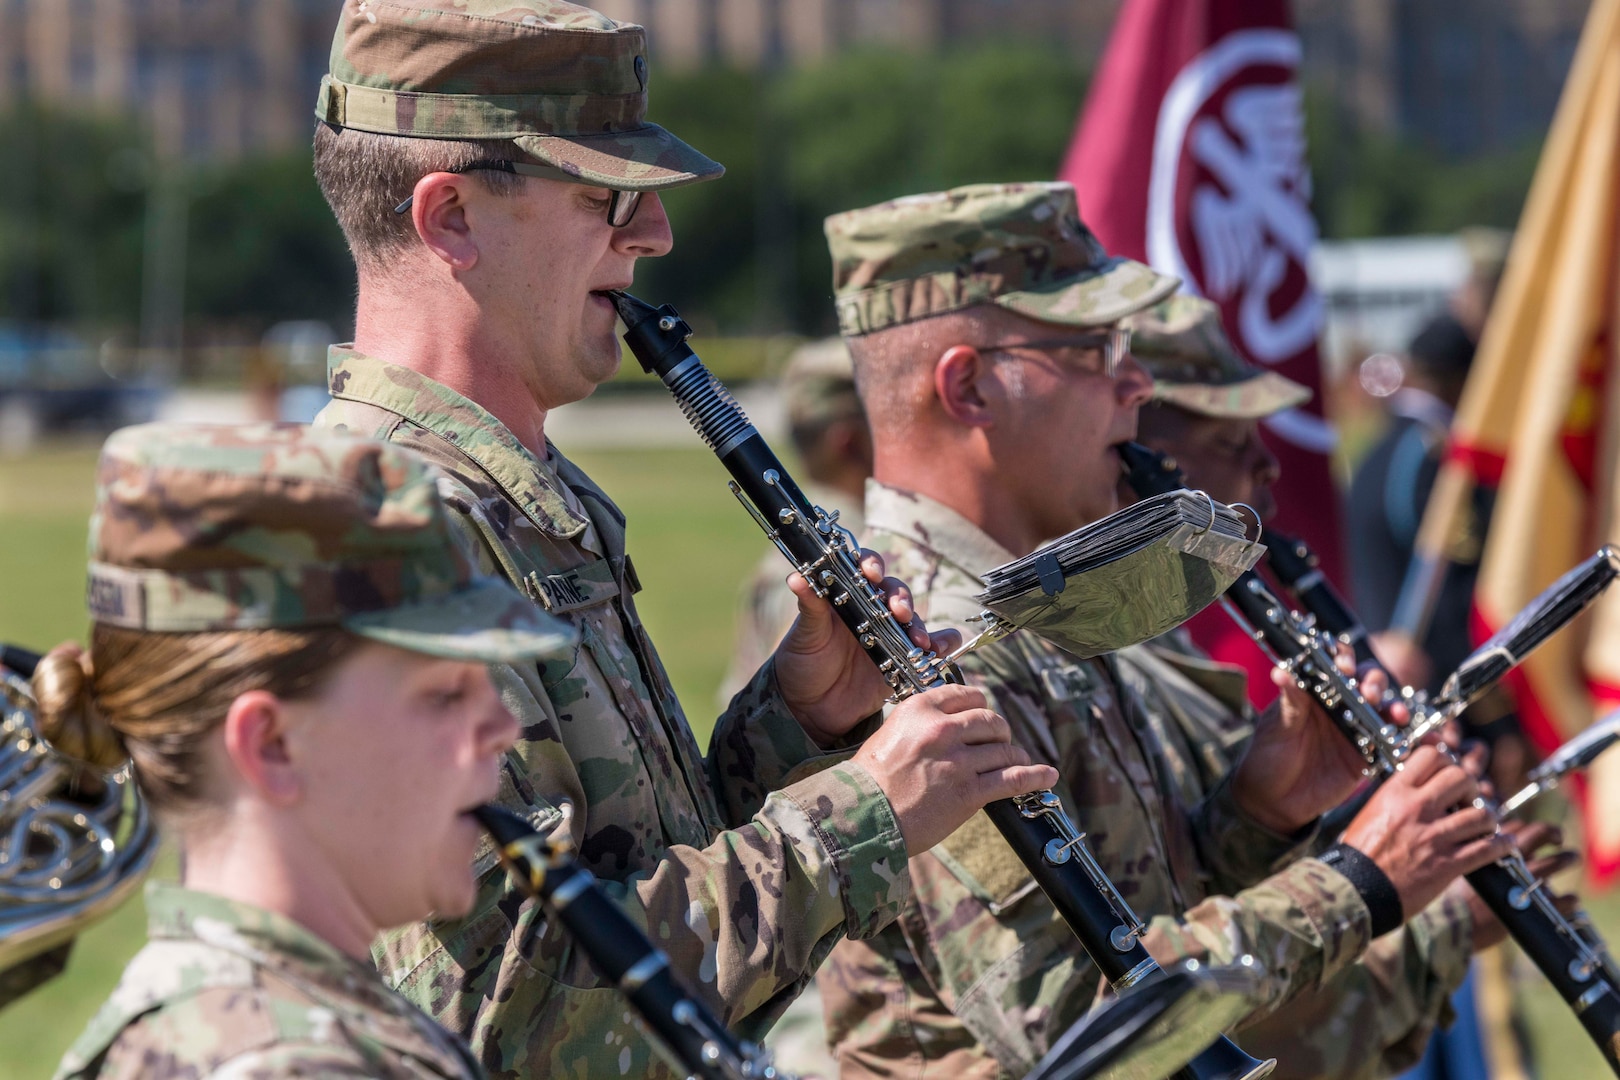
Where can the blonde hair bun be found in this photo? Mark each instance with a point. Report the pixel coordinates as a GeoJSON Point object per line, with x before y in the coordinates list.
{"type": "Point", "coordinates": [68, 718]}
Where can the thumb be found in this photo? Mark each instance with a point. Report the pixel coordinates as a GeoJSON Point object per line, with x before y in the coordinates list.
{"type": "Point", "coordinates": [811, 606]}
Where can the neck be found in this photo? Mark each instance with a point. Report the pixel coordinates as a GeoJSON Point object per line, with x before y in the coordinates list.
{"type": "Point", "coordinates": [250, 861]}
{"type": "Point", "coordinates": [440, 333]}
{"type": "Point", "coordinates": [965, 482]}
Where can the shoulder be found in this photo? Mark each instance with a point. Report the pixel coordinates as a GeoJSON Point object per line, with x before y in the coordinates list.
{"type": "Point", "coordinates": [187, 1009]}
{"type": "Point", "coordinates": [272, 1029]}
{"type": "Point", "coordinates": [215, 1030]}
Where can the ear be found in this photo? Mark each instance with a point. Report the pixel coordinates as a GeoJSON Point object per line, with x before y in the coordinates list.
{"type": "Point", "coordinates": [439, 213]}
{"type": "Point", "coordinates": [255, 743]}
{"type": "Point", "coordinates": [959, 378]}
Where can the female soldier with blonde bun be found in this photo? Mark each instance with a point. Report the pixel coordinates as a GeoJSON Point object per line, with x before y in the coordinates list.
{"type": "Point", "coordinates": [290, 646]}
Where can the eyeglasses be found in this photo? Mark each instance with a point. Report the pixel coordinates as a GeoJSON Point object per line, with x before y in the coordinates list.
{"type": "Point", "coordinates": [621, 206]}
{"type": "Point", "coordinates": [1114, 344]}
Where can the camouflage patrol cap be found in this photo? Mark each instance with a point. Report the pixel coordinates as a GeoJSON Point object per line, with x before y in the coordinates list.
{"type": "Point", "coordinates": [567, 84]}
{"type": "Point", "coordinates": [1194, 366]}
{"type": "Point", "coordinates": [200, 528]}
{"type": "Point", "coordinates": [1020, 246]}
{"type": "Point", "coordinates": [818, 385]}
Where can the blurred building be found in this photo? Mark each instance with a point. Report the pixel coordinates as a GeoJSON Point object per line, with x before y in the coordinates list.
{"type": "Point", "coordinates": [212, 78]}
{"type": "Point", "coordinates": [691, 33]}
{"type": "Point", "coordinates": [217, 78]}
{"type": "Point", "coordinates": [1461, 76]}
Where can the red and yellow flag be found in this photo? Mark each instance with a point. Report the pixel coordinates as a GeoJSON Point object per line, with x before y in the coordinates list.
{"type": "Point", "coordinates": [1540, 420]}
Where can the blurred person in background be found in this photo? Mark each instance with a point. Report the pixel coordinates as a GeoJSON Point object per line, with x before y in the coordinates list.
{"type": "Point", "coordinates": [289, 641]}
{"type": "Point", "coordinates": [1391, 488]}
{"type": "Point", "coordinates": [829, 434]}
{"type": "Point", "coordinates": [1486, 250]}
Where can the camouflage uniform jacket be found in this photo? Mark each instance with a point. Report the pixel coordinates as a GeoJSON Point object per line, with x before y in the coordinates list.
{"type": "Point", "coordinates": [1375, 1018]}
{"type": "Point", "coordinates": [224, 988]}
{"type": "Point", "coordinates": [979, 977]}
{"type": "Point", "coordinates": [743, 874]}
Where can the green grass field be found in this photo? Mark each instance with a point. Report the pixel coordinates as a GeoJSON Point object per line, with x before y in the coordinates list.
{"type": "Point", "coordinates": [692, 546]}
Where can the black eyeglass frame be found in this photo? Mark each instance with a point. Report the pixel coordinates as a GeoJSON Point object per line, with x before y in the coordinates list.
{"type": "Point", "coordinates": [1114, 343]}
{"type": "Point", "coordinates": [621, 209]}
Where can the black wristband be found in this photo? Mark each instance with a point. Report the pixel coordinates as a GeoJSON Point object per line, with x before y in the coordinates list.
{"type": "Point", "coordinates": [1377, 891]}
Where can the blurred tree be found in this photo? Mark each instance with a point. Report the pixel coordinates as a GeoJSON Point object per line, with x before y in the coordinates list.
{"type": "Point", "coordinates": [261, 244]}
{"type": "Point", "coordinates": [71, 215]}
{"type": "Point", "coordinates": [264, 247]}
{"type": "Point", "coordinates": [1370, 184]}
{"type": "Point", "coordinates": [861, 127]}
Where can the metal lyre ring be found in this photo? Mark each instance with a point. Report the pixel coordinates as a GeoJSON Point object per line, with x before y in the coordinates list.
{"type": "Point", "coordinates": [1259, 526]}
{"type": "Point", "coordinates": [1211, 523]}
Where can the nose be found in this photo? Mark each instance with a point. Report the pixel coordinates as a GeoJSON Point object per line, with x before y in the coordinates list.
{"type": "Point", "coordinates": [648, 235]}
{"type": "Point", "coordinates": [1265, 469]}
{"type": "Point", "coordinates": [1133, 385]}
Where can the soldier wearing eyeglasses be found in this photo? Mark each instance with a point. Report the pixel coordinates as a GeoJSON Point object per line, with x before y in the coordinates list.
{"type": "Point", "coordinates": [985, 324]}
{"type": "Point", "coordinates": [493, 170]}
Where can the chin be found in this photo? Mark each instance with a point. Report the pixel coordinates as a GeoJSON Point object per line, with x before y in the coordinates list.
{"type": "Point", "coordinates": [601, 362]}
{"type": "Point", "coordinates": [455, 890]}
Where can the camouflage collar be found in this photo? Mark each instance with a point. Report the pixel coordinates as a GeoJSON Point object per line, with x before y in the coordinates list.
{"type": "Point", "coordinates": [175, 913]}
{"type": "Point", "coordinates": [933, 525]}
{"type": "Point", "coordinates": [530, 483]}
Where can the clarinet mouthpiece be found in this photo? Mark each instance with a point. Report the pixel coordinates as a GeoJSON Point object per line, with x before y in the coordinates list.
{"type": "Point", "coordinates": [632, 311]}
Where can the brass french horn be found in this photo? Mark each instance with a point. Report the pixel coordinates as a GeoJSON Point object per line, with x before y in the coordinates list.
{"type": "Point", "coordinates": [74, 842]}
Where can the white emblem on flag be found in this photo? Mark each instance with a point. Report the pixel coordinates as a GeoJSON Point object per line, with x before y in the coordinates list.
{"type": "Point", "coordinates": [1240, 213]}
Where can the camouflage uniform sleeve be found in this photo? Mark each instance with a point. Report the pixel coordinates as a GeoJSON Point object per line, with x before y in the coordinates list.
{"type": "Point", "coordinates": [1235, 850]}
{"type": "Point", "coordinates": [1304, 924]}
{"type": "Point", "coordinates": [1376, 1017]}
{"type": "Point", "coordinates": [746, 918]}
{"type": "Point", "coordinates": [758, 747]}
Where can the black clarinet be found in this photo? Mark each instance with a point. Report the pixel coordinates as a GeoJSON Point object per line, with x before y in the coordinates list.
{"type": "Point", "coordinates": [1300, 572]}
{"type": "Point", "coordinates": [1570, 954]}
{"type": "Point", "coordinates": [1035, 825]}
{"type": "Point", "coordinates": [679, 1026]}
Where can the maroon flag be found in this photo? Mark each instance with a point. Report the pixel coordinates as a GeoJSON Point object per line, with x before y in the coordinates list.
{"type": "Point", "coordinates": [1191, 156]}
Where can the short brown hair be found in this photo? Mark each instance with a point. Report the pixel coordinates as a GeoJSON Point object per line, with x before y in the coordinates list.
{"type": "Point", "coordinates": [154, 698]}
{"type": "Point", "coordinates": [365, 175]}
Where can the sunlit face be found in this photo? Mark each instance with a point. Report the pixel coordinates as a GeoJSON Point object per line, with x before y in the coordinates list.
{"type": "Point", "coordinates": [1067, 418]}
{"type": "Point", "coordinates": [545, 254]}
{"type": "Point", "coordinates": [391, 755]}
{"type": "Point", "coordinates": [1225, 457]}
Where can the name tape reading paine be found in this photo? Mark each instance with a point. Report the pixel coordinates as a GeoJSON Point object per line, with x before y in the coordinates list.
{"type": "Point", "coordinates": [557, 591]}
{"type": "Point", "coordinates": [115, 596]}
